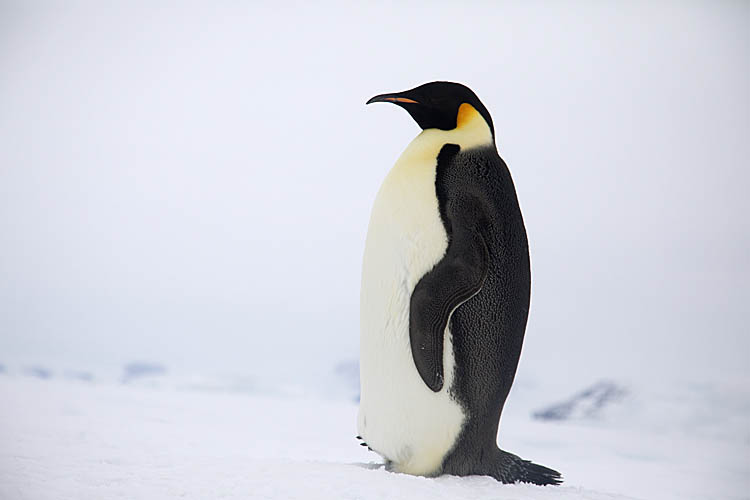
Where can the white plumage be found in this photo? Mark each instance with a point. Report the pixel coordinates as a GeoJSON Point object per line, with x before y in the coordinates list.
{"type": "Point", "coordinates": [399, 416]}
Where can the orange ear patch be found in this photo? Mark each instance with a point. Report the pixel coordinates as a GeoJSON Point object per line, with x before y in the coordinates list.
{"type": "Point", "coordinates": [466, 113]}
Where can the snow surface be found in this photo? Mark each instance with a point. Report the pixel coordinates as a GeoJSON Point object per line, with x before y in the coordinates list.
{"type": "Point", "coordinates": [168, 437]}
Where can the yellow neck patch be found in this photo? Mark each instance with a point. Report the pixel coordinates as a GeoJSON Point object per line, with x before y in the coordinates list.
{"type": "Point", "coordinates": [466, 114]}
{"type": "Point", "coordinates": [471, 131]}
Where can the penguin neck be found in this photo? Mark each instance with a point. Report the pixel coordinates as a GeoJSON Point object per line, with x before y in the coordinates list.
{"type": "Point", "coordinates": [472, 131]}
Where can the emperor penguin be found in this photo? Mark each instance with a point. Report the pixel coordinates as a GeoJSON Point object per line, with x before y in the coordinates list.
{"type": "Point", "coordinates": [445, 293]}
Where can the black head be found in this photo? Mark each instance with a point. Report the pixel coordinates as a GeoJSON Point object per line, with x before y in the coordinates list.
{"type": "Point", "coordinates": [435, 104]}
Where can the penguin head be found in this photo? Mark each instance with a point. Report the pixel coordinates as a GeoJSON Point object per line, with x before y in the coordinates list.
{"type": "Point", "coordinates": [438, 105]}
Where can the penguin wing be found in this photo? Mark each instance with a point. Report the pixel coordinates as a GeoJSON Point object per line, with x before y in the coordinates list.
{"type": "Point", "coordinates": [454, 280]}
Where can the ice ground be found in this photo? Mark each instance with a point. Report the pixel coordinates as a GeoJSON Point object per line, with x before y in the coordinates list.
{"type": "Point", "coordinates": [171, 437]}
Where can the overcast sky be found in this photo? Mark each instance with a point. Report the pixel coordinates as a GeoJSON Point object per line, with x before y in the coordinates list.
{"type": "Point", "coordinates": [192, 184]}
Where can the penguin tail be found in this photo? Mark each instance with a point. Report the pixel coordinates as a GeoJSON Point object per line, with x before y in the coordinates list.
{"type": "Point", "coordinates": [509, 468]}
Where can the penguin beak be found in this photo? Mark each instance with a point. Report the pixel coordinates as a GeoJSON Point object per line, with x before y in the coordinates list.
{"type": "Point", "coordinates": [394, 98]}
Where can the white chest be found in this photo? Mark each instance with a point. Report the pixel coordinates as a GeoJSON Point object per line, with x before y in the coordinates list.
{"type": "Point", "coordinates": [400, 417]}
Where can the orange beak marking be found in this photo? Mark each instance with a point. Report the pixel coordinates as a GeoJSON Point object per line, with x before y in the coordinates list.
{"type": "Point", "coordinates": [401, 99]}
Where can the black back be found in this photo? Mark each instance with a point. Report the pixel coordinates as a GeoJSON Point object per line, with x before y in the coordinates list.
{"type": "Point", "coordinates": [487, 329]}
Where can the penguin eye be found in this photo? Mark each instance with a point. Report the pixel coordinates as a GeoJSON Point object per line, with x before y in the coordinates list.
{"type": "Point", "coordinates": [441, 102]}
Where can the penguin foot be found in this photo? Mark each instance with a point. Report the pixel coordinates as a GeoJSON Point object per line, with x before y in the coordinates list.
{"type": "Point", "coordinates": [509, 468]}
{"type": "Point", "coordinates": [363, 443]}
{"type": "Point", "coordinates": [503, 466]}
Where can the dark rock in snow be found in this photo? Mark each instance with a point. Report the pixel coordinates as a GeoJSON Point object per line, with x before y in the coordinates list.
{"type": "Point", "coordinates": [588, 403]}
{"type": "Point", "coordinates": [38, 372]}
{"type": "Point", "coordinates": [141, 369]}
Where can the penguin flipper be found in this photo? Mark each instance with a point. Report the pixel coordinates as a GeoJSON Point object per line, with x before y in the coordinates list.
{"type": "Point", "coordinates": [454, 280]}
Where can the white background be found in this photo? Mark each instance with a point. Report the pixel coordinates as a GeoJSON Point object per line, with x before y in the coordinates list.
{"type": "Point", "coordinates": [190, 184]}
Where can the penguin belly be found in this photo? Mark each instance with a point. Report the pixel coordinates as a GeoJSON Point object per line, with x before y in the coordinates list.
{"type": "Point", "coordinates": [400, 418]}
